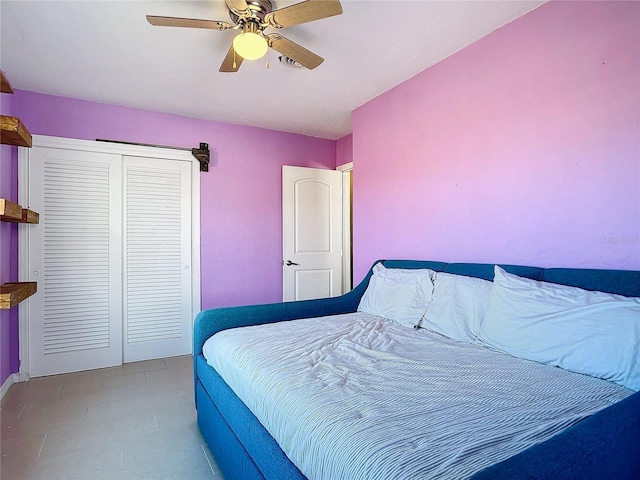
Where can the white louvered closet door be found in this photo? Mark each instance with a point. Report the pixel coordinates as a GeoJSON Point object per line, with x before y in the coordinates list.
{"type": "Point", "coordinates": [75, 251]}
{"type": "Point", "coordinates": [112, 258]}
{"type": "Point", "coordinates": [157, 258]}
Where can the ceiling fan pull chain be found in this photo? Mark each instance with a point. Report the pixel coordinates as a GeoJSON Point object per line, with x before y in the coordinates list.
{"type": "Point", "coordinates": [267, 59]}
{"type": "Point", "coordinates": [234, 59]}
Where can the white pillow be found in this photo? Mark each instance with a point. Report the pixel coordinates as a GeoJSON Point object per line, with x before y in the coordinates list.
{"type": "Point", "coordinates": [594, 333]}
{"type": "Point", "coordinates": [458, 305]}
{"type": "Point", "coordinates": [398, 294]}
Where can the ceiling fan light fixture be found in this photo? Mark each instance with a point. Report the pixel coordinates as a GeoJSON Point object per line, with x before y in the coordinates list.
{"type": "Point", "coordinates": [250, 45]}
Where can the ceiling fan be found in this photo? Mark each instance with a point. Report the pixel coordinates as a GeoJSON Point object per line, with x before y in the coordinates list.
{"type": "Point", "coordinates": [252, 17]}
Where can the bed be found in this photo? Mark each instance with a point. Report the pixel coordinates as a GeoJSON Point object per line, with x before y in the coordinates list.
{"type": "Point", "coordinates": [374, 384]}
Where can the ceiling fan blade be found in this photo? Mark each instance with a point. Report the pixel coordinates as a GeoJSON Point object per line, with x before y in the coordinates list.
{"type": "Point", "coordinates": [187, 22]}
{"type": "Point", "coordinates": [231, 62]}
{"type": "Point", "coordinates": [294, 51]}
{"type": "Point", "coordinates": [237, 5]}
{"type": "Point", "coordinates": [303, 12]}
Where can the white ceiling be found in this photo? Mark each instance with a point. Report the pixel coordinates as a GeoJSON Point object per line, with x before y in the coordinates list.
{"type": "Point", "coordinates": [105, 51]}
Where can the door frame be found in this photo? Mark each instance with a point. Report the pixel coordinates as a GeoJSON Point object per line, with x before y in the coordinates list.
{"type": "Point", "coordinates": [101, 147]}
{"type": "Point", "coordinates": [347, 226]}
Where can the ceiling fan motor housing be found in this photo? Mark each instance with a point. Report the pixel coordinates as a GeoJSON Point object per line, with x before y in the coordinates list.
{"type": "Point", "coordinates": [258, 8]}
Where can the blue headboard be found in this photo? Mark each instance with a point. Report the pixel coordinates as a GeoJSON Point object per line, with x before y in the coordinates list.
{"type": "Point", "coordinates": [621, 282]}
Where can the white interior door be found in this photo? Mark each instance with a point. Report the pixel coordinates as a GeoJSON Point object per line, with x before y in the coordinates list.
{"type": "Point", "coordinates": [312, 233]}
{"type": "Point", "coordinates": [157, 258]}
{"type": "Point", "coordinates": [74, 255]}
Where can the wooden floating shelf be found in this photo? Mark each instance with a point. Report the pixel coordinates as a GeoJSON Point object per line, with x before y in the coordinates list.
{"type": "Point", "coordinates": [13, 132]}
{"type": "Point", "coordinates": [5, 86]}
{"type": "Point", "coordinates": [12, 294]}
{"type": "Point", "coordinates": [29, 216]}
{"type": "Point", "coordinates": [12, 212]}
{"type": "Point", "coordinates": [9, 211]}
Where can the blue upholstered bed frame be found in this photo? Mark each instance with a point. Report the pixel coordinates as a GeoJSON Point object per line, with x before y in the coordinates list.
{"type": "Point", "coordinates": [603, 446]}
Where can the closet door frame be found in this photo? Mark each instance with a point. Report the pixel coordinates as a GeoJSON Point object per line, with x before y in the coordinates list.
{"type": "Point", "coordinates": [103, 147]}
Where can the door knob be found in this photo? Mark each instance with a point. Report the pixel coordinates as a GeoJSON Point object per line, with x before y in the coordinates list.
{"type": "Point", "coordinates": [289, 263]}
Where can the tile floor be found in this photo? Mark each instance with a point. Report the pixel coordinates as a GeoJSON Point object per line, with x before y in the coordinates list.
{"type": "Point", "coordinates": [132, 422]}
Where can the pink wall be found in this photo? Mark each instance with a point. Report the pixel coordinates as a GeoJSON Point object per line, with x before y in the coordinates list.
{"type": "Point", "coordinates": [8, 251]}
{"type": "Point", "coordinates": [522, 148]}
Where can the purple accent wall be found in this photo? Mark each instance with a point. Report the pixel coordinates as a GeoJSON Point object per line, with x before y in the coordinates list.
{"type": "Point", "coordinates": [8, 251]}
{"type": "Point", "coordinates": [241, 210]}
{"type": "Point", "coordinates": [522, 148]}
{"type": "Point", "coordinates": [344, 150]}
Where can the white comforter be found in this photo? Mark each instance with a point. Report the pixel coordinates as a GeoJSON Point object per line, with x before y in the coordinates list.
{"type": "Point", "coordinates": [360, 397]}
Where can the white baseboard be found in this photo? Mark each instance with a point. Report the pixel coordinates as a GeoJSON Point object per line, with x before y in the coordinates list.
{"type": "Point", "coordinates": [11, 379]}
